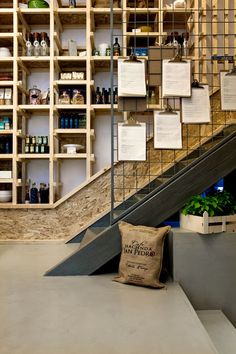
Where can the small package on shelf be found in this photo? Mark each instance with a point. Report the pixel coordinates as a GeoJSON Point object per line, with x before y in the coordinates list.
{"type": "Point", "coordinates": [2, 97]}
{"type": "Point", "coordinates": [66, 76]}
{"type": "Point", "coordinates": [78, 75]}
{"type": "Point", "coordinates": [77, 97]}
{"type": "Point", "coordinates": [8, 96]}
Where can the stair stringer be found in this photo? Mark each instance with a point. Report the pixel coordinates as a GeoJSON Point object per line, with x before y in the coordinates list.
{"type": "Point", "coordinates": [158, 207]}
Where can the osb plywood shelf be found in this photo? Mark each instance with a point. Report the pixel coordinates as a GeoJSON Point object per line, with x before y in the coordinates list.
{"type": "Point", "coordinates": [55, 20]}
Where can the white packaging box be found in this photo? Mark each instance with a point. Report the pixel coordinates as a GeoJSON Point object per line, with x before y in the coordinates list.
{"type": "Point", "coordinates": [5, 174]}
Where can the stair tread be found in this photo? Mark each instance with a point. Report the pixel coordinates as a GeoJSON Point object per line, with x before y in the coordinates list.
{"type": "Point", "coordinates": [220, 330]}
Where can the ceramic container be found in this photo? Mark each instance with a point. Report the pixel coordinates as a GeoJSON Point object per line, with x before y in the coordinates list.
{"type": "Point", "coordinates": [5, 196]}
{"type": "Point", "coordinates": [5, 52]}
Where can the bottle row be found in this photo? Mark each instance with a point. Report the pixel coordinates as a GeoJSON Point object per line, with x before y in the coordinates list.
{"type": "Point", "coordinates": [72, 121]}
{"type": "Point", "coordinates": [104, 96]}
{"type": "Point", "coordinates": [6, 145]}
{"type": "Point", "coordinates": [35, 195]}
{"type": "Point", "coordinates": [37, 44]}
{"type": "Point", "coordinates": [36, 145]}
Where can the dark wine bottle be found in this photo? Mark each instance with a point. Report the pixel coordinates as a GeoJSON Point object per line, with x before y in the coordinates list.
{"type": "Point", "coordinates": [116, 48]}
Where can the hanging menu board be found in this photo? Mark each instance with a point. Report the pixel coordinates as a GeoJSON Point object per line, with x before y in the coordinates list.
{"type": "Point", "coordinates": [132, 142]}
{"type": "Point", "coordinates": [196, 109]}
{"type": "Point", "coordinates": [176, 78]}
{"type": "Point", "coordinates": [167, 130]}
{"type": "Point", "coordinates": [228, 91]}
{"type": "Point", "coordinates": [131, 79]}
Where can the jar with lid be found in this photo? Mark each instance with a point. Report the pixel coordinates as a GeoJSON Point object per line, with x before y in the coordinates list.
{"type": "Point", "coordinates": [35, 96]}
{"type": "Point", "coordinates": [36, 43]}
{"type": "Point", "coordinates": [77, 97]}
{"type": "Point", "coordinates": [64, 97]}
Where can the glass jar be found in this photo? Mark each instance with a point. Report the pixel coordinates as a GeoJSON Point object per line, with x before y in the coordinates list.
{"type": "Point", "coordinates": [35, 96]}
{"type": "Point", "coordinates": [64, 97]}
{"type": "Point", "coordinates": [77, 97]}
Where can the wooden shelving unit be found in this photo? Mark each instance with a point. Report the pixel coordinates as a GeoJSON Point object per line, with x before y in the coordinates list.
{"type": "Point", "coordinates": [55, 21]}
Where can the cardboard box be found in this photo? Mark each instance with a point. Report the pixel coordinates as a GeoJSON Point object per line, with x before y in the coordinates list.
{"type": "Point", "coordinates": [155, 56]}
{"type": "Point", "coordinates": [5, 174]}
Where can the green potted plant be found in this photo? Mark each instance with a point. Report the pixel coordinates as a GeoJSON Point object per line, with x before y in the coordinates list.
{"type": "Point", "coordinates": [210, 214]}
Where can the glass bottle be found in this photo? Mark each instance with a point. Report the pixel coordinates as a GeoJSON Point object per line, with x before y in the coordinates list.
{"type": "Point", "coordinates": [116, 48]}
{"type": "Point", "coordinates": [36, 42]}
{"type": "Point", "coordinates": [71, 122]}
{"type": "Point", "coordinates": [62, 122]}
{"type": "Point", "coordinates": [34, 199]}
{"type": "Point", "coordinates": [44, 44]}
{"type": "Point", "coordinates": [29, 45]}
{"type": "Point", "coordinates": [97, 96]}
{"type": "Point", "coordinates": [72, 3]}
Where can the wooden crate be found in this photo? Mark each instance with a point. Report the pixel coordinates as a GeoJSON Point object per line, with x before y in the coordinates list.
{"type": "Point", "coordinates": [208, 224]}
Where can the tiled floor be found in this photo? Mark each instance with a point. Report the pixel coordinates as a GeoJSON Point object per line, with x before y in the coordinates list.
{"type": "Point", "coordinates": [88, 315]}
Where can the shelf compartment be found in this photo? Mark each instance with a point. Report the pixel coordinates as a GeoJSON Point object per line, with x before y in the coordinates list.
{"type": "Point", "coordinates": [102, 63]}
{"type": "Point", "coordinates": [71, 63]}
{"type": "Point", "coordinates": [72, 17]}
{"type": "Point", "coordinates": [101, 17]}
{"type": "Point", "coordinates": [35, 16]}
{"type": "Point", "coordinates": [6, 40]}
{"type": "Point", "coordinates": [6, 19]}
{"type": "Point", "coordinates": [176, 18]}
{"type": "Point", "coordinates": [70, 106]}
{"type": "Point", "coordinates": [35, 62]}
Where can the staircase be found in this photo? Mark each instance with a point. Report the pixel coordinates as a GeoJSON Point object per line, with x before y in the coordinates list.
{"type": "Point", "coordinates": [154, 203]}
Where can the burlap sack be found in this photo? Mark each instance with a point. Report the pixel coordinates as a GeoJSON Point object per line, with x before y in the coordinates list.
{"type": "Point", "coordinates": [141, 255]}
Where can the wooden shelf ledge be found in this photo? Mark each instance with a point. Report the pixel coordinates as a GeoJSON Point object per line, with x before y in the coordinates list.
{"type": "Point", "coordinates": [33, 156]}
{"type": "Point", "coordinates": [70, 58]}
{"type": "Point", "coordinates": [6, 83]}
{"type": "Point", "coordinates": [73, 11]}
{"type": "Point", "coordinates": [6, 180]}
{"type": "Point", "coordinates": [6, 35]}
{"type": "Point", "coordinates": [25, 206]}
{"type": "Point", "coordinates": [6, 107]}
{"type": "Point", "coordinates": [73, 156]}
{"type": "Point", "coordinates": [6, 131]}
{"type": "Point", "coordinates": [70, 106]}
{"type": "Point", "coordinates": [70, 131]}
{"type": "Point", "coordinates": [72, 82]}
{"type": "Point", "coordinates": [6, 156]}
{"type": "Point", "coordinates": [29, 107]}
